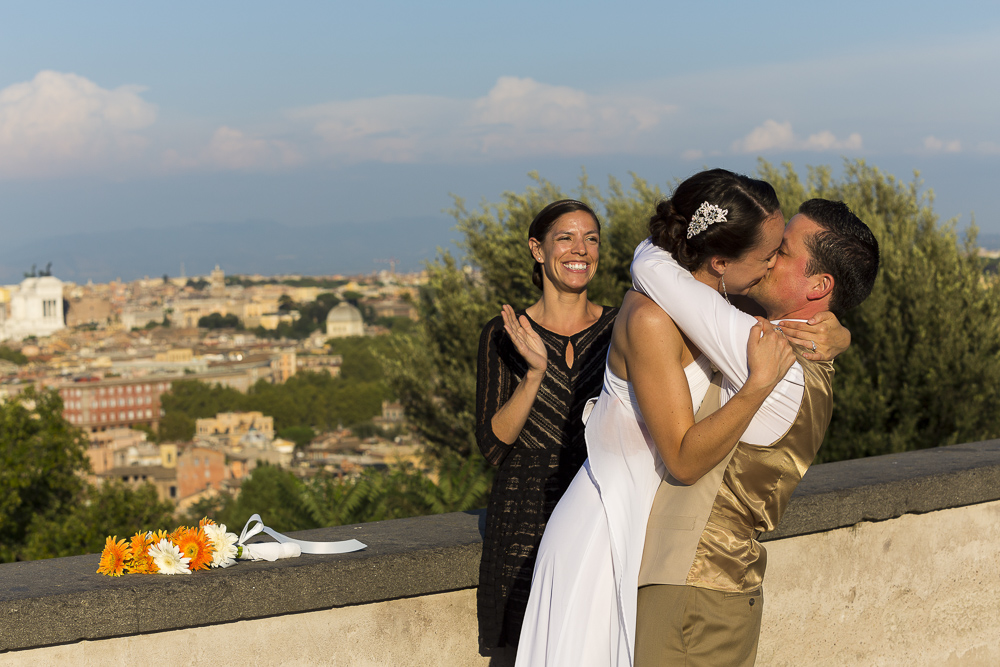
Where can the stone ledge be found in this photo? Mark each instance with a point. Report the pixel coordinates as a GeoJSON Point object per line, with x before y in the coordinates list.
{"type": "Point", "coordinates": [63, 600]}
{"type": "Point", "coordinates": [835, 495]}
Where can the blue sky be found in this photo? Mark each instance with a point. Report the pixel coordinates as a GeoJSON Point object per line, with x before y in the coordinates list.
{"type": "Point", "coordinates": [118, 116]}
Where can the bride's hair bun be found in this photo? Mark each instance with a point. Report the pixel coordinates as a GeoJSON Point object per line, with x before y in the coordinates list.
{"type": "Point", "coordinates": [746, 203]}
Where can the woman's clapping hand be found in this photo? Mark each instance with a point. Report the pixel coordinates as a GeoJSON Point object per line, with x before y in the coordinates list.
{"type": "Point", "coordinates": [526, 341]}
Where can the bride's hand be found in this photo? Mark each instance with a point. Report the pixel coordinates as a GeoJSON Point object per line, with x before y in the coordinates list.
{"type": "Point", "coordinates": [823, 337]}
{"type": "Point", "coordinates": [526, 341]}
{"type": "Point", "coordinates": [769, 355]}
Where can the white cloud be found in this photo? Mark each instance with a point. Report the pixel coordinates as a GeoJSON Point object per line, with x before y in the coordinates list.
{"type": "Point", "coordinates": [692, 154]}
{"type": "Point", "coordinates": [230, 148]}
{"type": "Point", "coordinates": [63, 123]}
{"type": "Point", "coordinates": [773, 136]}
{"type": "Point", "coordinates": [397, 128]}
{"type": "Point", "coordinates": [936, 145]}
{"type": "Point", "coordinates": [517, 117]}
{"type": "Point", "coordinates": [825, 141]}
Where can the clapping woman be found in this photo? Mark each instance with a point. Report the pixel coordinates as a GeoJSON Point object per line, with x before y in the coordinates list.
{"type": "Point", "coordinates": [537, 368]}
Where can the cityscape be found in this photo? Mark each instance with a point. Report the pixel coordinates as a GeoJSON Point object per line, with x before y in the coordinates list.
{"type": "Point", "coordinates": [112, 350]}
{"type": "Point", "coordinates": [262, 277]}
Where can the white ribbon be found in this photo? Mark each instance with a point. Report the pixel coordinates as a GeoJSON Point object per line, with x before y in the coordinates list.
{"type": "Point", "coordinates": [288, 547]}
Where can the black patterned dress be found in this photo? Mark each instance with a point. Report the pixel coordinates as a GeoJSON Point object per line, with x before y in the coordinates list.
{"type": "Point", "coordinates": [535, 471]}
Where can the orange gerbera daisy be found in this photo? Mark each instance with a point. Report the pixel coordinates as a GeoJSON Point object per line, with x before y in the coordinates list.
{"type": "Point", "coordinates": [194, 544]}
{"type": "Point", "coordinates": [205, 521]}
{"type": "Point", "coordinates": [141, 562]}
{"type": "Point", "coordinates": [113, 558]}
{"type": "Point", "coordinates": [176, 535]}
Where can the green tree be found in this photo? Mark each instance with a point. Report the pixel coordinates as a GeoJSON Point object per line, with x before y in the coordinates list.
{"type": "Point", "coordinates": [113, 508]}
{"type": "Point", "coordinates": [313, 400]}
{"type": "Point", "coordinates": [189, 400]}
{"type": "Point", "coordinates": [928, 330]}
{"type": "Point", "coordinates": [360, 356]}
{"type": "Point", "coordinates": [220, 321]}
{"type": "Point", "coordinates": [12, 355]}
{"type": "Point", "coordinates": [300, 435]}
{"type": "Point", "coordinates": [923, 369]}
{"type": "Point", "coordinates": [273, 493]}
{"type": "Point", "coordinates": [42, 457]}
{"type": "Point", "coordinates": [456, 484]}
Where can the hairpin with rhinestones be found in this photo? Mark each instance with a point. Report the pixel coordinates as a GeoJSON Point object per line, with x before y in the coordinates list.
{"type": "Point", "coordinates": [707, 214]}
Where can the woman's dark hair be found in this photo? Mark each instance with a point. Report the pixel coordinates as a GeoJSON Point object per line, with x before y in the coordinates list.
{"type": "Point", "coordinates": [543, 222]}
{"type": "Point", "coordinates": [748, 203]}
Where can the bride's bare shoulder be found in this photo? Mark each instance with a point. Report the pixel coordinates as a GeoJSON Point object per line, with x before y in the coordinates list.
{"type": "Point", "coordinates": [640, 314]}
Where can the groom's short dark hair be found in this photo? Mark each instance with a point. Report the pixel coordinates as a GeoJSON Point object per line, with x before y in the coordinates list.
{"type": "Point", "coordinates": [846, 249]}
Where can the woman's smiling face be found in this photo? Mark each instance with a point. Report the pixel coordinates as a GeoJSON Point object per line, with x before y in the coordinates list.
{"type": "Point", "coordinates": [569, 252]}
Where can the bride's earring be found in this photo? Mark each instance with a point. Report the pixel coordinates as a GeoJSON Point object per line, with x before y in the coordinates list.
{"type": "Point", "coordinates": [722, 285]}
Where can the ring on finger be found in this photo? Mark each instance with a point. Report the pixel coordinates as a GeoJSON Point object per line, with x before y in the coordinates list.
{"type": "Point", "coordinates": [778, 330]}
{"type": "Point", "coordinates": [814, 345]}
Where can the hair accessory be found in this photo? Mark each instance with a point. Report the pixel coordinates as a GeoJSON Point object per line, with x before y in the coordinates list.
{"type": "Point", "coordinates": [707, 214]}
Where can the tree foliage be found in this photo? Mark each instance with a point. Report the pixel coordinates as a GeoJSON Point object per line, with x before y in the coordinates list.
{"type": "Point", "coordinates": [220, 321]}
{"type": "Point", "coordinates": [314, 400]}
{"type": "Point", "coordinates": [286, 502]}
{"type": "Point", "coordinates": [46, 507]}
{"type": "Point", "coordinates": [42, 457]}
{"type": "Point", "coordinates": [928, 331]}
{"type": "Point", "coordinates": [12, 355]}
{"type": "Point", "coordinates": [924, 366]}
{"type": "Point", "coordinates": [112, 508]}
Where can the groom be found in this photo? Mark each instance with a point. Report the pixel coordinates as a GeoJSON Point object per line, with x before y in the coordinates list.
{"type": "Point", "coordinates": [700, 596]}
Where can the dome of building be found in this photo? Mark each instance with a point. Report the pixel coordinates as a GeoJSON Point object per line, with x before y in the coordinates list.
{"type": "Point", "coordinates": [344, 320]}
{"type": "Point", "coordinates": [344, 312]}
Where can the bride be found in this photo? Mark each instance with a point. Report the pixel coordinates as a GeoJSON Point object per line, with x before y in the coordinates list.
{"type": "Point", "coordinates": [726, 229]}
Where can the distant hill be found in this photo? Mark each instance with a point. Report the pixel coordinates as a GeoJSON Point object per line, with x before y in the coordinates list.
{"type": "Point", "coordinates": [264, 247]}
{"type": "Point", "coordinates": [989, 241]}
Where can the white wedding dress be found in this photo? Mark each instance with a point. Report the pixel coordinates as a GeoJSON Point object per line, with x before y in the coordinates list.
{"type": "Point", "coordinates": [583, 593]}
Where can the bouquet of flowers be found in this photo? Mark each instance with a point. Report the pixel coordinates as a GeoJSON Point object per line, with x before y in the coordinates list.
{"type": "Point", "coordinates": [184, 550]}
{"type": "Point", "coordinates": [209, 545]}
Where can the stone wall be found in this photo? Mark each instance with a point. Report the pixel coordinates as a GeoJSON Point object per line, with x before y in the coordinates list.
{"type": "Point", "coordinates": [891, 560]}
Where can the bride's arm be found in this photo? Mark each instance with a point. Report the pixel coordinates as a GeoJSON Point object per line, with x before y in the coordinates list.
{"type": "Point", "coordinates": [652, 348]}
{"type": "Point", "coordinates": [716, 328]}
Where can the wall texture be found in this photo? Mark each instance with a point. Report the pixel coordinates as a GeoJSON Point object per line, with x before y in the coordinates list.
{"type": "Point", "coordinates": [893, 560]}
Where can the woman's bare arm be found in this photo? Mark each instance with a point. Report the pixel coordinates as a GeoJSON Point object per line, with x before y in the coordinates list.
{"type": "Point", "coordinates": [653, 350]}
{"type": "Point", "coordinates": [513, 415]}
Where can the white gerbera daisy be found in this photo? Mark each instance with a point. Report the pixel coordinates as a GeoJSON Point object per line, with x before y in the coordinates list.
{"type": "Point", "coordinates": [224, 545]}
{"type": "Point", "coordinates": [169, 559]}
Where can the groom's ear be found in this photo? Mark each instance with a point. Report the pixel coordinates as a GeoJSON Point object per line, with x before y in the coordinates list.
{"type": "Point", "coordinates": [820, 286]}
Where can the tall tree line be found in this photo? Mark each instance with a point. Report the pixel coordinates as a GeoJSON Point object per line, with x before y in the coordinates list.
{"type": "Point", "coordinates": [923, 369]}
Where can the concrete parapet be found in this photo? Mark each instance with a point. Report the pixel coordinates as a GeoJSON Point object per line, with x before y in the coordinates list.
{"type": "Point", "coordinates": [854, 555]}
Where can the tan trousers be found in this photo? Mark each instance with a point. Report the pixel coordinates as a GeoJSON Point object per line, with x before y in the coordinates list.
{"type": "Point", "coordinates": [696, 627]}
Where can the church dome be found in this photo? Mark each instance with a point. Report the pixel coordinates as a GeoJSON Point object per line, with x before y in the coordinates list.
{"type": "Point", "coordinates": [344, 313]}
